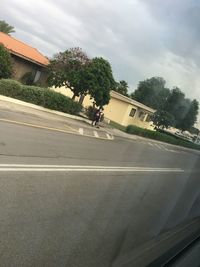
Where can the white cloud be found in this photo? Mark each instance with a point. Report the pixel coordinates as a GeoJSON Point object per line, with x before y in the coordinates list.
{"type": "Point", "coordinates": [141, 38]}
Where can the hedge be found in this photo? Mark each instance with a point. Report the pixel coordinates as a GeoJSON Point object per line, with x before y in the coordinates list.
{"type": "Point", "coordinates": [131, 129]}
{"type": "Point", "coordinates": [40, 96]}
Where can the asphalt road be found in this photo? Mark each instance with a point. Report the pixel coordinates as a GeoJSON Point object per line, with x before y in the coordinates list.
{"type": "Point", "coordinates": [55, 211]}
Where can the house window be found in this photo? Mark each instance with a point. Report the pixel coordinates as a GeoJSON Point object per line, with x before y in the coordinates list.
{"type": "Point", "coordinates": [132, 112]}
{"type": "Point", "coordinates": [149, 118]}
{"type": "Point", "coordinates": [141, 115]}
{"type": "Point", "coordinates": [37, 76]}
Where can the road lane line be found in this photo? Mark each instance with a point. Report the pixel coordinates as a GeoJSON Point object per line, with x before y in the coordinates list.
{"type": "Point", "coordinates": [83, 170]}
{"type": "Point", "coordinates": [96, 134]}
{"type": "Point", "coordinates": [71, 168]}
{"type": "Point", "coordinates": [76, 166]}
{"type": "Point", "coordinates": [80, 131]}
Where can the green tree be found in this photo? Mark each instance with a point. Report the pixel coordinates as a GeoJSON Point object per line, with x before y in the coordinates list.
{"type": "Point", "coordinates": [5, 63]}
{"type": "Point", "coordinates": [152, 92]}
{"type": "Point", "coordinates": [5, 27]}
{"type": "Point", "coordinates": [163, 119]}
{"type": "Point", "coordinates": [100, 81]}
{"type": "Point", "coordinates": [70, 69]}
{"type": "Point", "coordinates": [176, 104]}
{"type": "Point", "coordinates": [122, 87]}
{"type": "Point", "coordinates": [190, 117]}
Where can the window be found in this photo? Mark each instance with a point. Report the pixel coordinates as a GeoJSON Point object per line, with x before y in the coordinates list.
{"type": "Point", "coordinates": [37, 76]}
{"type": "Point", "coordinates": [132, 112]}
{"type": "Point", "coordinates": [149, 118]}
{"type": "Point", "coordinates": [141, 115]}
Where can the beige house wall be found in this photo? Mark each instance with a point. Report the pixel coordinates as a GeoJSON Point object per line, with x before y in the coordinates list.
{"type": "Point", "coordinates": [116, 110]}
{"type": "Point", "coordinates": [128, 120]}
{"type": "Point", "coordinates": [119, 111]}
{"type": "Point", "coordinates": [63, 90]}
{"type": "Point", "coordinates": [67, 92]}
{"type": "Point", "coordinates": [88, 101]}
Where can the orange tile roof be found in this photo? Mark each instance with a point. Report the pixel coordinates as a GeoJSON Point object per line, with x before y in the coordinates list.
{"type": "Point", "coordinates": [22, 50]}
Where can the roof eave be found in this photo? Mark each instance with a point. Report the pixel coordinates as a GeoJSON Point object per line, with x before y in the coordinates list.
{"type": "Point", "coordinates": [132, 102]}
{"type": "Point", "coordinates": [28, 59]}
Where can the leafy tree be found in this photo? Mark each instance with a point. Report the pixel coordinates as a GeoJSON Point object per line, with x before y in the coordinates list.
{"type": "Point", "coordinates": [173, 109]}
{"type": "Point", "coordinates": [190, 118]}
{"type": "Point", "coordinates": [122, 87]}
{"type": "Point", "coordinates": [5, 27]}
{"type": "Point", "coordinates": [176, 104]}
{"type": "Point", "coordinates": [101, 81]}
{"type": "Point", "coordinates": [74, 70]}
{"type": "Point", "coordinates": [163, 119]}
{"type": "Point", "coordinates": [152, 92]}
{"type": "Point", "coordinates": [70, 69]}
{"type": "Point", "coordinates": [5, 63]}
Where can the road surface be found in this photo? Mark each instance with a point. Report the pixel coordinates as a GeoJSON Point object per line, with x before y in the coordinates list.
{"type": "Point", "coordinates": [68, 200]}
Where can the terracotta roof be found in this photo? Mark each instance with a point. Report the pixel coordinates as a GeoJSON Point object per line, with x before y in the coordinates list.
{"type": "Point", "coordinates": [128, 100]}
{"type": "Point", "coordinates": [23, 50]}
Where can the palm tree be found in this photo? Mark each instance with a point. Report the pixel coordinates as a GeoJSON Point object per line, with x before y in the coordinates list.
{"type": "Point", "coordinates": [5, 27]}
{"type": "Point", "coordinates": [122, 87]}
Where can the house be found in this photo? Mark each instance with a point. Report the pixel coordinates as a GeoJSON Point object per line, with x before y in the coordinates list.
{"type": "Point", "coordinates": [121, 109]}
{"type": "Point", "coordinates": [26, 59]}
{"type": "Point", "coordinates": [126, 111]}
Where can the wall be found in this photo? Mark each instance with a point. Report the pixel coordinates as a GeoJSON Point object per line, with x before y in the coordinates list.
{"type": "Point", "coordinates": [116, 110]}
{"type": "Point", "coordinates": [63, 90]}
{"type": "Point", "coordinates": [136, 120]}
{"type": "Point", "coordinates": [67, 92]}
{"type": "Point", "coordinates": [22, 66]}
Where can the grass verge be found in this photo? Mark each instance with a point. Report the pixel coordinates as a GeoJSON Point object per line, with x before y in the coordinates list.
{"type": "Point", "coordinates": [155, 135]}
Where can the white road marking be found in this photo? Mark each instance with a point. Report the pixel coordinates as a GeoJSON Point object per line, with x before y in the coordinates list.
{"type": "Point", "coordinates": [80, 130]}
{"type": "Point", "coordinates": [150, 144]}
{"type": "Point", "coordinates": [73, 168]}
{"type": "Point", "coordinates": [108, 136]}
{"type": "Point", "coordinates": [96, 134]}
{"type": "Point", "coordinates": [163, 148]}
{"type": "Point", "coordinates": [174, 151]}
{"type": "Point", "coordinates": [171, 150]}
{"type": "Point", "coordinates": [158, 146]}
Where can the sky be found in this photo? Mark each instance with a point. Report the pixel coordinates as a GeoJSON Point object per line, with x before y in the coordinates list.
{"type": "Point", "coordinates": [140, 38]}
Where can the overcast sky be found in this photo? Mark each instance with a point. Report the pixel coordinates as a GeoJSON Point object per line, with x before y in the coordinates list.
{"type": "Point", "coordinates": [140, 38]}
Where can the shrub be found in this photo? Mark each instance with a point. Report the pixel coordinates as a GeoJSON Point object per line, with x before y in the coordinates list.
{"type": "Point", "coordinates": [5, 63]}
{"type": "Point", "coordinates": [131, 129]}
{"type": "Point", "coordinates": [28, 78]}
{"type": "Point", "coordinates": [9, 87]}
{"type": "Point", "coordinates": [39, 96]}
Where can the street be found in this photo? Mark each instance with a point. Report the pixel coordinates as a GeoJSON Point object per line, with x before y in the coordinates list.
{"type": "Point", "coordinates": [69, 200]}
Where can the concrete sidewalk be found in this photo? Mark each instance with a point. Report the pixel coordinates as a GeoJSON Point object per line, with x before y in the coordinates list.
{"type": "Point", "coordinates": [41, 112]}
{"type": "Point", "coordinates": [20, 112]}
